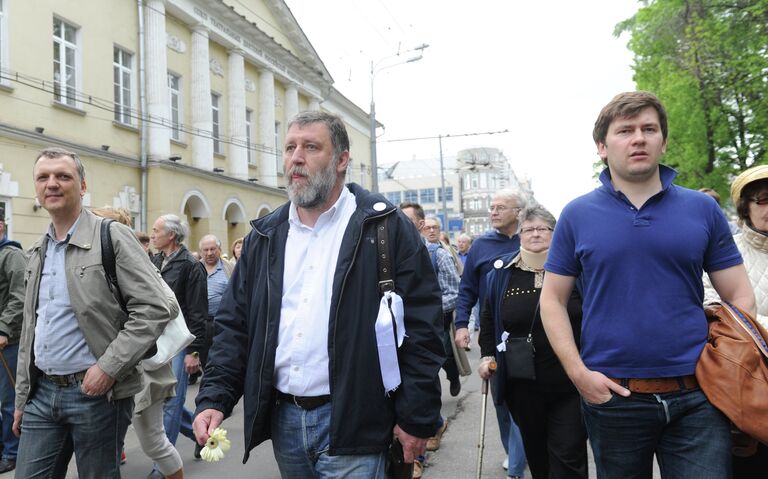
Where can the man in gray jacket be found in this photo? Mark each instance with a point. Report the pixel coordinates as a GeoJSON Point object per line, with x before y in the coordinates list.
{"type": "Point", "coordinates": [80, 347]}
{"type": "Point", "coordinates": [12, 264]}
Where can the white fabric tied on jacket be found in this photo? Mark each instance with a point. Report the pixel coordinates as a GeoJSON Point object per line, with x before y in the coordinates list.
{"type": "Point", "coordinates": [390, 333]}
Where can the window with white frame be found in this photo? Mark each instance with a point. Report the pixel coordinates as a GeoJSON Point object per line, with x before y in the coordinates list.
{"type": "Point", "coordinates": [427, 195]}
{"type": "Point", "coordinates": [249, 135]}
{"type": "Point", "coordinates": [174, 89]}
{"type": "Point", "coordinates": [393, 197]}
{"type": "Point", "coordinates": [64, 62]}
{"type": "Point", "coordinates": [122, 64]}
{"type": "Point", "coordinates": [215, 101]}
{"type": "Point", "coordinates": [448, 193]}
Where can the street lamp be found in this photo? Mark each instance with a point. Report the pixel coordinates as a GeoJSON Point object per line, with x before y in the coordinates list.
{"type": "Point", "coordinates": [376, 68]}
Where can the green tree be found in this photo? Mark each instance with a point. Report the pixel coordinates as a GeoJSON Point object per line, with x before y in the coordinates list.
{"type": "Point", "coordinates": [708, 62]}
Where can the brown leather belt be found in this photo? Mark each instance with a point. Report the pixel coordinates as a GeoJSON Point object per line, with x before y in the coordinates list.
{"type": "Point", "coordinates": [307, 403]}
{"type": "Point", "coordinates": [64, 379]}
{"type": "Point", "coordinates": [658, 385]}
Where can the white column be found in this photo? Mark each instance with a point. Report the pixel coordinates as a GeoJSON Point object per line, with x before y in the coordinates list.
{"type": "Point", "coordinates": [158, 100]}
{"type": "Point", "coordinates": [237, 161]}
{"type": "Point", "coordinates": [267, 159]}
{"type": "Point", "coordinates": [291, 103]}
{"type": "Point", "coordinates": [314, 104]}
{"type": "Point", "coordinates": [200, 86]}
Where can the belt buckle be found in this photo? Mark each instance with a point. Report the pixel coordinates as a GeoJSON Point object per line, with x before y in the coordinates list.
{"type": "Point", "coordinates": [296, 402]}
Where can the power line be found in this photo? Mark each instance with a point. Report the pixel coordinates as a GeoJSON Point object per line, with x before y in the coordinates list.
{"type": "Point", "coordinates": [455, 135]}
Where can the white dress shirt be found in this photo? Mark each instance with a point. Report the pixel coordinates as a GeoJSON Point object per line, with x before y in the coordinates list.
{"type": "Point", "coordinates": [301, 360]}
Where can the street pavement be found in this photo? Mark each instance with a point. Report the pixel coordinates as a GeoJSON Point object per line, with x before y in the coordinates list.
{"type": "Point", "coordinates": [456, 458]}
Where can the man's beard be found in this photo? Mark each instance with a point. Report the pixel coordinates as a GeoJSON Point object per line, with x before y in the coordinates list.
{"type": "Point", "coordinates": [317, 188]}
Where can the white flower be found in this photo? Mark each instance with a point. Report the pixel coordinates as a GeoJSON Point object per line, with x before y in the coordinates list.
{"type": "Point", "coordinates": [216, 445]}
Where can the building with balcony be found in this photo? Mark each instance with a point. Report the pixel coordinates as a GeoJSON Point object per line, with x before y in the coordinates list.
{"type": "Point", "coordinates": [175, 106]}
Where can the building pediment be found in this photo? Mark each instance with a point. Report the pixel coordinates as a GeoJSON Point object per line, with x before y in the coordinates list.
{"type": "Point", "coordinates": [265, 31]}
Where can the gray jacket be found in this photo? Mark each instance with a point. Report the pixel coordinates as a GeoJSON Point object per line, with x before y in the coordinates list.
{"type": "Point", "coordinates": [12, 264]}
{"type": "Point", "coordinates": [117, 340]}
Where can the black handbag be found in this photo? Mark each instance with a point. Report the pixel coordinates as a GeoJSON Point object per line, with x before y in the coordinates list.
{"type": "Point", "coordinates": [520, 354]}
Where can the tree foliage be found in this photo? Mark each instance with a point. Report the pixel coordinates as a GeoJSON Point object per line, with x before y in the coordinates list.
{"type": "Point", "coordinates": [707, 60]}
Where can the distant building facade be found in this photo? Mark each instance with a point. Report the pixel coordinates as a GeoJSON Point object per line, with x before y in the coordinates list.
{"type": "Point", "coordinates": [470, 179]}
{"type": "Point", "coordinates": [482, 172]}
{"type": "Point", "coordinates": [420, 181]}
{"type": "Point", "coordinates": [202, 90]}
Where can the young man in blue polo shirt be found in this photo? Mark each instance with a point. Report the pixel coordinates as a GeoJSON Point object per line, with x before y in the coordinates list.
{"type": "Point", "coordinates": [640, 244]}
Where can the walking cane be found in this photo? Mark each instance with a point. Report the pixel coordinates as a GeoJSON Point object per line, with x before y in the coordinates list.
{"type": "Point", "coordinates": [7, 369]}
{"type": "Point", "coordinates": [481, 439]}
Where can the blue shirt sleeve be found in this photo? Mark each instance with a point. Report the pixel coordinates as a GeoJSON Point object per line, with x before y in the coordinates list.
{"type": "Point", "coordinates": [721, 252]}
{"type": "Point", "coordinates": [562, 258]}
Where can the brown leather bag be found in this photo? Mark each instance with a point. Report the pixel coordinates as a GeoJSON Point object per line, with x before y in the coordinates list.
{"type": "Point", "coordinates": [733, 369]}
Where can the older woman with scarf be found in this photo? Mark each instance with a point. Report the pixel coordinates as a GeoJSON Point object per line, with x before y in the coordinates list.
{"type": "Point", "coordinates": [544, 402]}
{"type": "Point", "coordinates": [749, 193]}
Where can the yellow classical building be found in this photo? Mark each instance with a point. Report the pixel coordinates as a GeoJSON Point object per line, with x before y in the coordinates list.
{"type": "Point", "coordinates": [175, 106]}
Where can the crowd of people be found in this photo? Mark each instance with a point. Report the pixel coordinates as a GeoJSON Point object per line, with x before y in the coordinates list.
{"type": "Point", "coordinates": [337, 311]}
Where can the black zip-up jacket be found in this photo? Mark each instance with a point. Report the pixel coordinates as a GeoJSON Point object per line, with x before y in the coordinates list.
{"type": "Point", "coordinates": [242, 358]}
{"type": "Point", "coordinates": [189, 281]}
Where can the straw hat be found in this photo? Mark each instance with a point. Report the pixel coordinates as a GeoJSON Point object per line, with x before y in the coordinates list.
{"type": "Point", "coordinates": [746, 177]}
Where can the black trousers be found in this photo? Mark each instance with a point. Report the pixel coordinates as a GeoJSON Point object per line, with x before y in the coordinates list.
{"type": "Point", "coordinates": [451, 370]}
{"type": "Point", "coordinates": [554, 436]}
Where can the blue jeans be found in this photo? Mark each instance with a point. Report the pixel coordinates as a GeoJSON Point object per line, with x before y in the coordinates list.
{"type": "Point", "coordinates": [177, 418]}
{"type": "Point", "coordinates": [300, 441]}
{"type": "Point", "coordinates": [691, 439]}
{"type": "Point", "coordinates": [510, 436]}
{"type": "Point", "coordinates": [10, 443]}
{"type": "Point", "coordinates": [59, 418]}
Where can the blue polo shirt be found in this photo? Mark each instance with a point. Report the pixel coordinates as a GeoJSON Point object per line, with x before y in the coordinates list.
{"type": "Point", "coordinates": [641, 272]}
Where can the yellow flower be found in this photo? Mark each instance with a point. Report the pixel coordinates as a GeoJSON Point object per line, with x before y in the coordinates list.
{"type": "Point", "coordinates": [216, 445]}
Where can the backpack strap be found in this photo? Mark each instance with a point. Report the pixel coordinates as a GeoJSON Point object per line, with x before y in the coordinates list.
{"type": "Point", "coordinates": [108, 262]}
{"type": "Point", "coordinates": [384, 263]}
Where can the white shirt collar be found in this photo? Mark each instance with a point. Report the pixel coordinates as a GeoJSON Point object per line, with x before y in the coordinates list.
{"type": "Point", "coordinates": [327, 216]}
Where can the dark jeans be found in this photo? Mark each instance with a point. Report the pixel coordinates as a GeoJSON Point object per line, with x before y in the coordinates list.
{"type": "Point", "coordinates": [553, 431]}
{"type": "Point", "coordinates": [60, 418]}
{"type": "Point", "coordinates": [451, 370]}
{"type": "Point", "coordinates": [691, 439]}
{"type": "Point", "coordinates": [10, 443]}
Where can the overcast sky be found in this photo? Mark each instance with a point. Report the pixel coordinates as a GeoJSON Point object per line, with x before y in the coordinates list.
{"type": "Point", "coordinates": [541, 69]}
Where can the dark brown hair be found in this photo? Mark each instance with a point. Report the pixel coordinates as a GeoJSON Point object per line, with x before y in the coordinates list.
{"type": "Point", "coordinates": [628, 105]}
{"type": "Point", "coordinates": [747, 193]}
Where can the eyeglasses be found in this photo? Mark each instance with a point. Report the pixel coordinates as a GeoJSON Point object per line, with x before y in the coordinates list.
{"type": "Point", "coordinates": [433, 227]}
{"type": "Point", "coordinates": [762, 200]}
{"type": "Point", "coordinates": [502, 208]}
{"type": "Point", "coordinates": [539, 229]}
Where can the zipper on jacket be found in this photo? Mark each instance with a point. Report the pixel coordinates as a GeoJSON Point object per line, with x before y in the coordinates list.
{"type": "Point", "coordinates": [263, 355]}
{"type": "Point", "coordinates": [338, 305]}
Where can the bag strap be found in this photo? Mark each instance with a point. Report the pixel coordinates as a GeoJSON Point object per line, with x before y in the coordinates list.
{"type": "Point", "coordinates": [384, 263]}
{"type": "Point", "coordinates": [533, 321]}
{"type": "Point", "coordinates": [108, 262]}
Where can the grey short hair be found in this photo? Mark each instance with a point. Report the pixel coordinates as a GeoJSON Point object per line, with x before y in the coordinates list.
{"type": "Point", "coordinates": [436, 218]}
{"type": "Point", "coordinates": [55, 152]}
{"type": "Point", "coordinates": [536, 211]}
{"type": "Point", "coordinates": [174, 224]}
{"type": "Point", "coordinates": [207, 237]}
{"type": "Point", "coordinates": [464, 236]}
{"type": "Point", "coordinates": [513, 195]}
{"type": "Point", "coordinates": [336, 129]}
